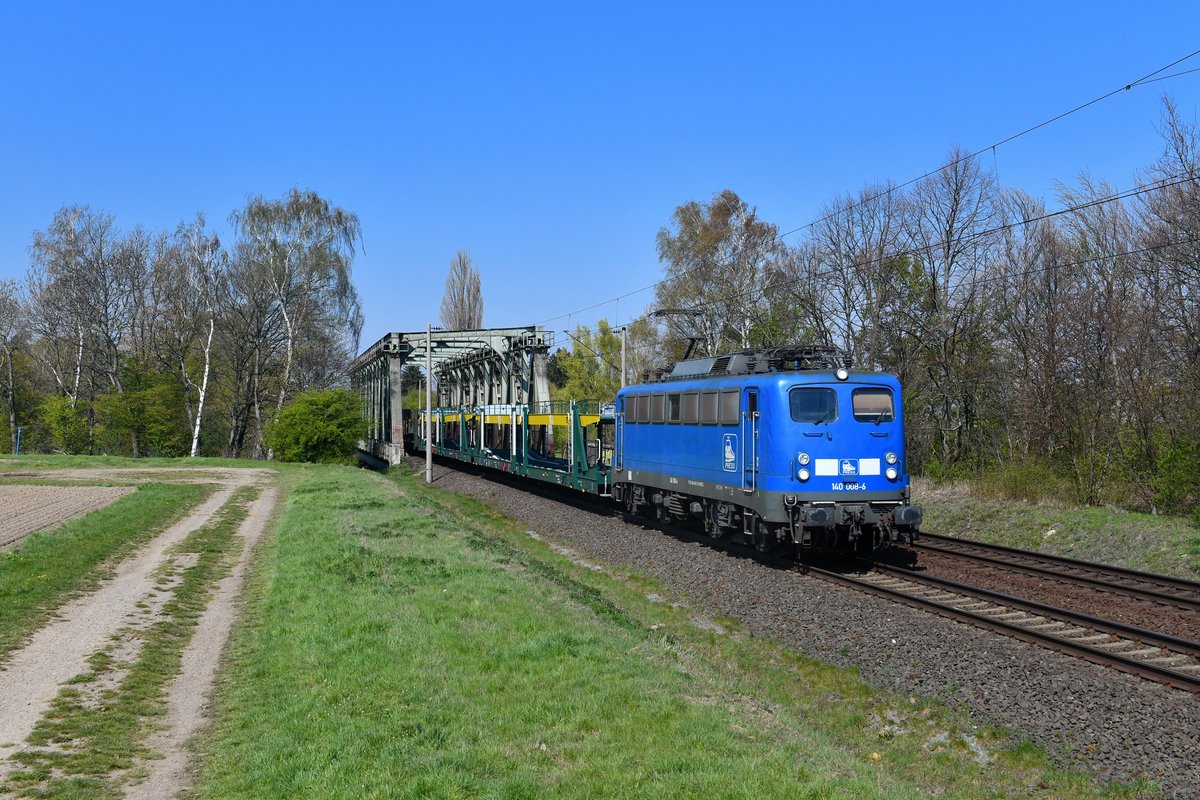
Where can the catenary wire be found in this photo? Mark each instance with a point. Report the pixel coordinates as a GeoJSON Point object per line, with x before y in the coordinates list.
{"type": "Point", "coordinates": [1165, 183]}
{"type": "Point", "coordinates": [1151, 77]}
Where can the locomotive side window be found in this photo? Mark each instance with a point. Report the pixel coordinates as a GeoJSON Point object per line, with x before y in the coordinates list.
{"type": "Point", "coordinates": [730, 407]}
{"type": "Point", "coordinates": [813, 404]}
{"type": "Point", "coordinates": [641, 408]}
{"type": "Point", "coordinates": [673, 408]}
{"type": "Point", "coordinates": [658, 408]}
{"type": "Point", "coordinates": [873, 405]}
{"type": "Point", "coordinates": [691, 408]}
{"type": "Point", "coordinates": [708, 408]}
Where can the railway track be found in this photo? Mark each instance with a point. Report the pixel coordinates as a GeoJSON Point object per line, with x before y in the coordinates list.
{"type": "Point", "coordinates": [1156, 656]}
{"type": "Point", "coordinates": [1143, 585]}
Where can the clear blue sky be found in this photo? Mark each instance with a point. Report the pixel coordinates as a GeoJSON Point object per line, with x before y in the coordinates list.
{"type": "Point", "coordinates": [552, 140]}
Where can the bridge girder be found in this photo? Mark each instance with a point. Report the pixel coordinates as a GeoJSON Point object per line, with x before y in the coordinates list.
{"type": "Point", "coordinates": [488, 366]}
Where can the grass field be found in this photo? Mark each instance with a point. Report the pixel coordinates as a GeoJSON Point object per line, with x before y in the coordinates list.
{"type": "Point", "coordinates": [41, 462]}
{"type": "Point", "coordinates": [46, 569]}
{"type": "Point", "coordinates": [1163, 544]}
{"type": "Point", "coordinates": [399, 641]}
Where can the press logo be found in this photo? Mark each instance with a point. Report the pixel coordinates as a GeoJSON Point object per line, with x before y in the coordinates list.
{"type": "Point", "coordinates": [850, 467]}
{"type": "Point", "coordinates": [730, 455]}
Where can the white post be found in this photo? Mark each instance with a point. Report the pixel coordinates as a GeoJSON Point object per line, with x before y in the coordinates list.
{"type": "Point", "coordinates": [429, 403]}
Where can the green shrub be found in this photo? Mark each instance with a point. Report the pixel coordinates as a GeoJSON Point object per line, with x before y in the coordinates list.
{"type": "Point", "coordinates": [1176, 481]}
{"type": "Point", "coordinates": [1034, 481]}
{"type": "Point", "coordinates": [67, 426]}
{"type": "Point", "coordinates": [318, 426]}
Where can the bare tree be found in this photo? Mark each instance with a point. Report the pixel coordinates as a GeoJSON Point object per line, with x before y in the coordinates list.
{"type": "Point", "coordinates": [842, 277]}
{"type": "Point", "coordinates": [1030, 299]}
{"type": "Point", "coordinates": [462, 304]}
{"type": "Point", "coordinates": [950, 222]}
{"type": "Point", "coordinates": [77, 243]}
{"type": "Point", "coordinates": [1098, 236]}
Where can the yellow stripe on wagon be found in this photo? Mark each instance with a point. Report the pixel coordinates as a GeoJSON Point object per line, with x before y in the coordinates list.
{"type": "Point", "coordinates": [562, 419]}
{"type": "Point", "coordinates": [534, 419]}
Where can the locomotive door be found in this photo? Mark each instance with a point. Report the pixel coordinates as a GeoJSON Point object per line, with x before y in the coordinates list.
{"type": "Point", "coordinates": [750, 443]}
{"type": "Point", "coordinates": [619, 454]}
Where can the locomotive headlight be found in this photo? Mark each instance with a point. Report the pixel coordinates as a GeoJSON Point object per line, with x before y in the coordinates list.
{"type": "Point", "coordinates": [889, 457]}
{"type": "Point", "coordinates": [804, 459]}
{"type": "Point", "coordinates": [891, 473]}
{"type": "Point", "coordinates": [842, 374]}
{"type": "Point", "coordinates": [804, 474]}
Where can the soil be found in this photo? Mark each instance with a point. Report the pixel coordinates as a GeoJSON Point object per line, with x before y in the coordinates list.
{"type": "Point", "coordinates": [26, 509]}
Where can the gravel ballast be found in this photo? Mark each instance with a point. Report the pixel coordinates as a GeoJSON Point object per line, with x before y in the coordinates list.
{"type": "Point", "coordinates": [1118, 725]}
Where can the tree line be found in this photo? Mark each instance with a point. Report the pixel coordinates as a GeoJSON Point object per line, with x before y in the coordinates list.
{"type": "Point", "coordinates": [174, 343]}
{"type": "Point", "coordinates": [1055, 350]}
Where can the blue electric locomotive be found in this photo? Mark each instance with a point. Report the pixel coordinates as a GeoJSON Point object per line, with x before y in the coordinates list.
{"type": "Point", "coordinates": [781, 445]}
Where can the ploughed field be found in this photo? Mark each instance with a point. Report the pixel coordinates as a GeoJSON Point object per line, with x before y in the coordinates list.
{"type": "Point", "coordinates": [26, 509]}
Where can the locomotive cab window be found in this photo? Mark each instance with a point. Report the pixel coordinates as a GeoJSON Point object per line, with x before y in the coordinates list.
{"type": "Point", "coordinates": [813, 404]}
{"type": "Point", "coordinates": [873, 405]}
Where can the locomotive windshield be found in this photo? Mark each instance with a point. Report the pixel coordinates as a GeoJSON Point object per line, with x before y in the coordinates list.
{"type": "Point", "coordinates": [813, 404]}
{"type": "Point", "coordinates": [873, 405]}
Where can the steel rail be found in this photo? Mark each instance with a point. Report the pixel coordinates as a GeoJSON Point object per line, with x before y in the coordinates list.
{"type": "Point", "coordinates": [1182, 584]}
{"type": "Point", "coordinates": [1035, 629]}
{"type": "Point", "coordinates": [1018, 559]}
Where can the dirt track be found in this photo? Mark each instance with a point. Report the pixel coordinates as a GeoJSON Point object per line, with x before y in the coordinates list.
{"type": "Point", "coordinates": [26, 509]}
{"type": "Point", "coordinates": [34, 675]}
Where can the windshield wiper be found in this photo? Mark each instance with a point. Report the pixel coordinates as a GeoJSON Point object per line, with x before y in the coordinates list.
{"type": "Point", "coordinates": [823, 417]}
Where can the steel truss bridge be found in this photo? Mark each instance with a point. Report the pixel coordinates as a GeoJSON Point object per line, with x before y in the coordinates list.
{"type": "Point", "coordinates": [485, 367]}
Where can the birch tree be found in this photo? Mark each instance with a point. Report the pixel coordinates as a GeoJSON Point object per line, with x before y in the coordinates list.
{"type": "Point", "coordinates": [193, 271]}
{"type": "Point", "coordinates": [303, 249]}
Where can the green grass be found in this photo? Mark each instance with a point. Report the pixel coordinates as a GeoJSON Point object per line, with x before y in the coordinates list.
{"type": "Point", "coordinates": [88, 742]}
{"type": "Point", "coordinates": [47, 568]}
{"type": "Point", "coordinates": [403, 642]}
{"type": "Point", "coordinates": [1154, 543]}
{"type": "Point", "coordinates": [32, 463]}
